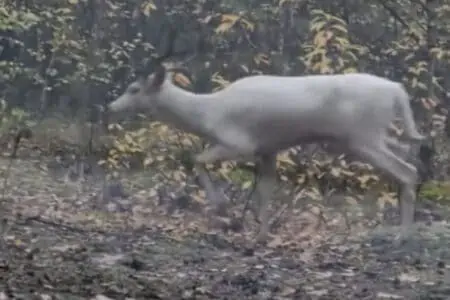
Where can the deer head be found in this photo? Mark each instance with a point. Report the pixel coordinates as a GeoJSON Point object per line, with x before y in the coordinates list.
{"type": "Point", "coordinates": [142, 94]}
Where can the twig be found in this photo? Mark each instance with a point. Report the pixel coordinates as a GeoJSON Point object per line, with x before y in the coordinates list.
{"type": "Point", "coordinates": [396, 15]}
{"type": "Point", "coordinates": [45, 221]}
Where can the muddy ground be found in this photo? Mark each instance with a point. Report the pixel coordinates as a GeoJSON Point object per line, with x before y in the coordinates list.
{"type": "Point", "coordinates": [64, 239]}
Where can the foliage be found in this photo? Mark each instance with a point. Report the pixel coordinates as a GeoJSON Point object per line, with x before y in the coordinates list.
{"type": "Point", "coordinates": [437, 191]}
{"type": "Point", "coordinates": [88, 51]}
{"type": "Point", "coordinates": [331, 51]}
{"type": "Point", "coordinates": [11, 118]}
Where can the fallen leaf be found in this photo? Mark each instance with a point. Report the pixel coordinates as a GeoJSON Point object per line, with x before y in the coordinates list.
{"type": "Point", "coordinates": [382, 295]}
{"type": "Point", "coordinates": [101, 297]}
{"type": "Point", "coordinates": [323, 275]}
{"type": "Point", "coordinates": [408, 278]}
{"type": "Point", "coordinates": [287, 291]}
{"type": "Point", "coordinates": [322, 292]}
{"type": "Point", "coordinates": [276, 242]}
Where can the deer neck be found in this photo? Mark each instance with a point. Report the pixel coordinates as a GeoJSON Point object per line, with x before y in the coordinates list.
{"type": "Point", "coordinates": [183, 109]}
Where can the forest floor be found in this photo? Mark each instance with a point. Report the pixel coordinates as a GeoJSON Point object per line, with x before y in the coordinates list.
{"type": "Point", "coordinates": [61, 240]}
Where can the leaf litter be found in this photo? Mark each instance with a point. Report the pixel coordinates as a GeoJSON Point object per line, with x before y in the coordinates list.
{"type": "Point", "coordinates": [70, 241]}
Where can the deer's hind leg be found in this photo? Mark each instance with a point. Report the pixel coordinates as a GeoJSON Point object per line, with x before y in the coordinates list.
{"type": "Point", "coordinates": [397, 147]}
{"type": "Point", "coordinates": [376, 152]}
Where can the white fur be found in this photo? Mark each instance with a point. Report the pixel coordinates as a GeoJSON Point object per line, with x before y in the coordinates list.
{"type": "Point", "coordinates": [258, 116]}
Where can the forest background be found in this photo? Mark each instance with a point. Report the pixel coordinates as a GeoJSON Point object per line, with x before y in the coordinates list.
{"type": "Point", "coordinates": [61, 61]}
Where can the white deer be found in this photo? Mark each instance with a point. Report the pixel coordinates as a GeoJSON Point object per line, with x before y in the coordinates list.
{"type": "Point", "coordinates": [256, 117]}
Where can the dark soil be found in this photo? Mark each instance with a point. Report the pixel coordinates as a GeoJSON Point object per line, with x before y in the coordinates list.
{"type": "Point", "coordinates": [61, 240]}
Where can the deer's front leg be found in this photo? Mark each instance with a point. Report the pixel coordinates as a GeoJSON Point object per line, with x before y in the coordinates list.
{"type": "Point", "coordinates": [379, 155]}
{"type": "Point", "coordinates": [211, 155]}
{"type": "Point", "coordinates": [265, 189]}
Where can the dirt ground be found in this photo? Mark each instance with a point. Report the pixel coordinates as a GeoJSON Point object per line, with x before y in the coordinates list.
{"type": "Point", "coordinates": [61, 240]}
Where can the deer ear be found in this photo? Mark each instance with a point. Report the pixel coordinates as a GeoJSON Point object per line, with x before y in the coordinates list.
{"type": "Point", "coordinates": [158, 77]}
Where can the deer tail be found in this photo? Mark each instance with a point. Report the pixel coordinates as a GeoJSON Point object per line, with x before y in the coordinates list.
{"type": "Point", "coordinates": [402, 100]}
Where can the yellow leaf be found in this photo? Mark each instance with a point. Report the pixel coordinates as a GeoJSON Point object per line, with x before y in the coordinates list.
{"type": "Point", "coordinates": [324, 68]}
{"type": "Point", "coordinates": [220, 80]}
{"type": "Point", "coordinates": [301, 179]}
{"type": "Point", "coordinates": [179, 176]}
{"type": "Point", "coordinates": [338, 20]}
{"type": "Point", "coordinates": [351, 200]}
{"type": "Point", "coordinates": [335, 172]}
{"type": "Point", "coordinates": [247, 184]}
{"type": "Point", "coordinates": [437, 85]}
{"type": "Point", "coordinates": [387, 198]}
{"type": "Point", "coordinates": [347, 173]}
{"type": "Point", "coordinates": [422, 64]}
{"type": "Point", "coordinates": [229, 18]}
{"type": "Point", "coordinates": [365, 178]}
{"type": "Point", "coordinates": [228, 22]}
{"type": "Point", "coordinates": [121, 148]}
{"type": "Point", "coordinates": [261, 58]}
{"type": "Point", "coordinates": [115, 126]}
{"type": "Point", "coordinates": [409, 56]}
{"type": "Point", "coordinates": [422, 86]}
{"type": "Point", "coordinates": [318, 51]}
{"type": "Point", "coordinates": [341, 28]}
{"type": "Point", "coordinates": [141, 131]}
{"type": "Point", "coordinates": [340, 62]}
{"type": "Point", "coordinates": [352, 55]}
{"type": "Point", "coordinates": [320, 40]}
{"type": "Point", "coordinates": [148, 7]}
{"type": "Point", "coordinates": [350, 70]}
{"type": "Point", "coordinates": [314, 194]}
{"type": "Point", "coordinates": [198, 199]}
{"type": "Point", "coordinates": [112, 162]}
{"type": "Point", "coordinates": [284, 158]}
{"type": "Point", "coordinates": [316, 25]}
{"type": "Point", "coordinates": [283, 1]}
{"type": "Point", "coordinates": [276, 242]}
{"type": "Point", "coordinates": [224, 173]}
{"type": "Point", "coordinates": [248, 25]}
{"type": "Point", "coordinates": [129, 139]}
{"type": "Point", "coordinates": [224, 27]}
{"type": "Point", "coordinates": [288, 291]}
{"type": "Point", "coordinates": [318, 12]}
